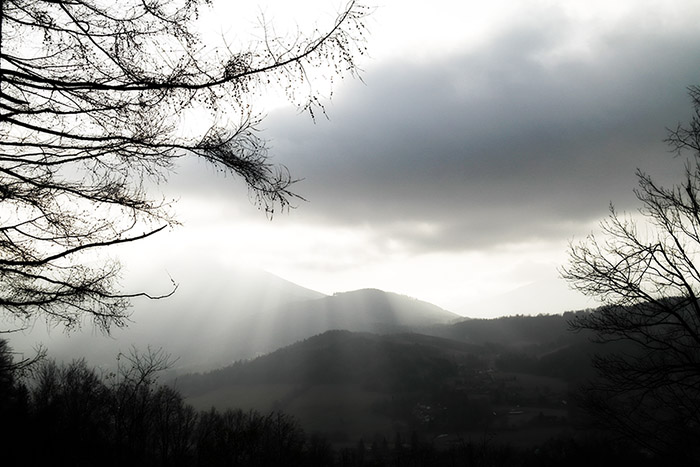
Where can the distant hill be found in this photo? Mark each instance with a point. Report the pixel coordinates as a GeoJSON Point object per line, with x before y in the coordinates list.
{"type": "Point", "coordinates": [243, 313]}
{"type": "Point", "coordinates": [372, 305]}
{"type": "Point", "coordinates": [513, 331]}
{"type": "Point", "coordinates": [346, 385]}
{"type": "Point", "coordinates": [540, 345]}
{"type": "Point", "coordinates": [336, 357]}
{"type": "Point", "coordinates": [367, 310]}
{"type": "Point", "coordinates": [196, 325]}
{"type": "Point", "coordinates": [355, 385]}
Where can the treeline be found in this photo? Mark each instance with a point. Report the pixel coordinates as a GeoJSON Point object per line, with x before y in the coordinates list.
{"type": "Point", "coordinates": [543, 331]}
{"type": "Point", "coordinates": [71, 414]}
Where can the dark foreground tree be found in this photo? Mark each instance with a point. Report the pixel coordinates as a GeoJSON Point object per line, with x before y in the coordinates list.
{"type": "Point", "coordinates": [646, 273]}
{"type": "Point", "coordinates": [93, 96]}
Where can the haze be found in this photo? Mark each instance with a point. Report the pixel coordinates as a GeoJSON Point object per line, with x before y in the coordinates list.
{"type": "Point", "coordinates": [483, 139]}
{"type": "Point", "coordinates": [480, 141]}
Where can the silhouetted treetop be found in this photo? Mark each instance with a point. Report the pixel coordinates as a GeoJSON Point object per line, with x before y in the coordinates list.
{"type": "Point", "coordinates": [645, 270]}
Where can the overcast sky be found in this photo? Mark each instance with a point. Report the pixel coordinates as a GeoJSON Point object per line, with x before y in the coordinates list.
{"type": "Point", "coordinates": [482, 140]}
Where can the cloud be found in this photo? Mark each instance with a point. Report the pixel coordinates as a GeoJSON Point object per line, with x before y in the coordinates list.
{"type": "Point", "coordinates": [515, 141]}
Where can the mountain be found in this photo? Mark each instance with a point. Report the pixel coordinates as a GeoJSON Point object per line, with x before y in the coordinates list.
{"type": "Point", "coordinates": [243, 313]}
{"type": "Point", "coordinates": [343, 384]}
{"type": "Point", "coordinates": [366, 310]}
{"type": "Point", "coordinates": [512, 331]}
{"type": "Point", "coordinates": [350, 385]}
{"type": "Point", "coordinates": [343, 357]}
{"type": "Point", "coordinates": [195, 325]}
{"type": "Point", "coordinates": [531, 344]}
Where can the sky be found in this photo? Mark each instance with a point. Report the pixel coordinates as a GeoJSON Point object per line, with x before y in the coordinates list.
{"type": "Point", "coordinates": [482, 139]}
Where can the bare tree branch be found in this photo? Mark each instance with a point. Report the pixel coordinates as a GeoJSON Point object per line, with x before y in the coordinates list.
{"type": "Point", "coordinates": [647, 276]}
{"type": "Point", "coordinates": [91, 97]}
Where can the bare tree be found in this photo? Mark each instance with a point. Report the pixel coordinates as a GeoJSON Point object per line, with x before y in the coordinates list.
{"type": "Point", "coordinates": [133, 404]}
{"type": "Point", "coordinates": [645, 272]}
{"type": "Point", "coordinates": [92, 95]}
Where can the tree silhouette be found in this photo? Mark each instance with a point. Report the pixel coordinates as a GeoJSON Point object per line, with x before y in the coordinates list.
{"type": "Point", "coordinates": [646, 273]}
{"type": "Point", "coordinates": [93, 96]}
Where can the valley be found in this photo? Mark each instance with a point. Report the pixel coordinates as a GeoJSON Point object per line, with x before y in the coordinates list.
{"type": "Point", "coordinates": [350, 386]}
{"type": "Point", "coordinates": [363, 373]}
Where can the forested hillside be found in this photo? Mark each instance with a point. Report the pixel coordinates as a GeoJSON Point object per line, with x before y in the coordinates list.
{"type": "Point", "coordinates": [360, 385]}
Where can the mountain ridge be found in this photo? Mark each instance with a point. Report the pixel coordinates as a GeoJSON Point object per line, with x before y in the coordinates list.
{"type": "Point", "coordinates": [209, 324]}
{"type": "Point", "coordinates": [363, 310]}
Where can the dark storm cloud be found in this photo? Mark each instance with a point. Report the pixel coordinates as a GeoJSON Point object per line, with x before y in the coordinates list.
{"type": "Point", "coordinates": [498, 145]}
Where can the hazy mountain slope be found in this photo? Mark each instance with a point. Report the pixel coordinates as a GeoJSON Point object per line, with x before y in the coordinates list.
{"type": "Point", "coordinates": [196, 325]}
{"type": "Point", "coordinates": [208, 324]}
{"type": "Point", "coordinates": [387, 362]}
{"type": "Point", "coordinates": [372, 305]}
{"type": "Point", "coordinates": [354, 385]}
{"type": "Point", "coordinates": [367, 310]}
{"type": "Point", "coordinates": [540, 345]}
{"type": "Point", "coordinates": [338, 383]}
{"type": "Point", "coordinates": [513, 331]}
